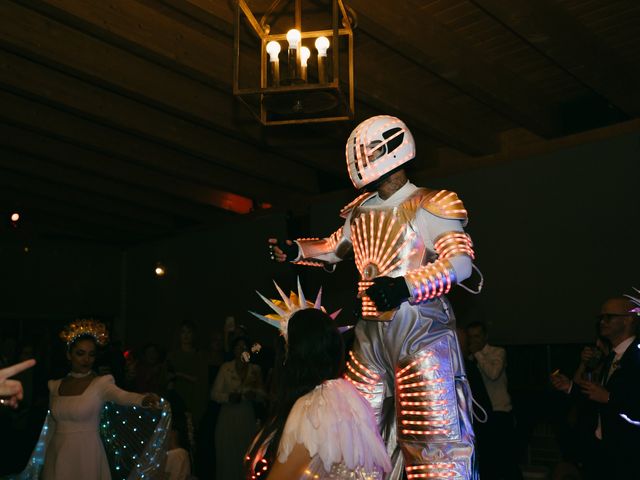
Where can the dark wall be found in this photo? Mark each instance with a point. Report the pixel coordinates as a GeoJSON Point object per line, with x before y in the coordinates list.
{"type": "Point", "coordinates": [59, 281]}
{"type": "Point", "coordinates": [210, 274]}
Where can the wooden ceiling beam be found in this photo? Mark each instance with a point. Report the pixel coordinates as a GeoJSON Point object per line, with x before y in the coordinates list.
{"type": "Point", "coordinates": [134, 24]}
{"type": "Point", "coordinates": [439, 120]}
{"type": "Point", "coordinates": [558, 35]}
{"type": "Point", "coordinates": [70, 195]}
{"type": "Point", "coordinates": [40, 224]}
{"type": "Point", "coordinates": [84, 159]}
{"type": "Point", "coordinates": [83, 216]}
{"type": "Point", "coordinates": [71, 128]}
{"type": "Point", "coordinates": [32, 35]}
{"type": "Point", "coordinates": [18, 162]}
{"type": "Point", "coordinates": [123, 58]}
{"type": "Point", "coordinates": [422, 111]}
{"type": "Point", "coordinates": [415, 35]}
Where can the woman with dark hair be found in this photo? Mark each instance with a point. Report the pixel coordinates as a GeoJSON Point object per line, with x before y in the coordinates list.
{"type": "Point", "coordinates": [320, 426]}
{"type": "Point", "coordinates": [237, 386]}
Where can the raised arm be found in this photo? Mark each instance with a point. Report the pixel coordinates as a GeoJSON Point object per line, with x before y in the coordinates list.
{"type": "Point", "coordinates": [316, 252]}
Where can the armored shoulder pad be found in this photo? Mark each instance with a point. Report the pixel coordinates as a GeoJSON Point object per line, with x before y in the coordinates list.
{"type": "Point", "coordinates": [355, 203]}
{"type": "Point", "coordinates": [444, 204]}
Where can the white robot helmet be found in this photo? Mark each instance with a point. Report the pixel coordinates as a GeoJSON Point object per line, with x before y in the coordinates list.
{"type": "Point", "coordinates": [377, 146]}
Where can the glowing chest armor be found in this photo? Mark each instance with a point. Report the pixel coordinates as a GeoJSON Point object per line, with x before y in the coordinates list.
{"type": "Point", "coordinates": [386, 243]}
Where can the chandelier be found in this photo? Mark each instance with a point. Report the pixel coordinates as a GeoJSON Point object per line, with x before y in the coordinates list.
{"type": "Point", "coordinates": [305, 64]}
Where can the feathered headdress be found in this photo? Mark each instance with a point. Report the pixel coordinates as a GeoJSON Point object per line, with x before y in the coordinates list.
{"type": "Point", "coordinates": [90, 327]}
{"type": "Point", "coordinates": [288, 305]}
{"type": "Point", "coordinates": [636, 302]}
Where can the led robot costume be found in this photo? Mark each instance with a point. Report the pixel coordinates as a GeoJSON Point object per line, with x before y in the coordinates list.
{"type": "Point", "coordinates": [133, 438]}
{"type": "Point", "coordinates": [332, 421]}
{"type": "Point", "coordinates": [409, 249]}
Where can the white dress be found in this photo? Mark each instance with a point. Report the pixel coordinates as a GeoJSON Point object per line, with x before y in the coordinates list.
{"type": "Point", "coordinates": [75, 449]}
{"type": "Point", "coordinates": [337, 427]}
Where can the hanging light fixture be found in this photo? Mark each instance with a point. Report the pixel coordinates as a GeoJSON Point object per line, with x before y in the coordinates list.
{"type": "Point", "coordinates": [305, 75]}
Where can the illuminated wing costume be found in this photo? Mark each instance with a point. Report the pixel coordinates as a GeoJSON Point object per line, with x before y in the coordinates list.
{"type": "Point", "coordinates": [407, 361]}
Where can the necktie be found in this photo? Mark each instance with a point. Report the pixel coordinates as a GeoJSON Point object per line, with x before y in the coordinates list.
{"type": "Point", "coordinates": [606, 368]}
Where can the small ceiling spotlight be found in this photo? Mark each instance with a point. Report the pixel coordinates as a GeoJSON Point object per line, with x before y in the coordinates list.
{"type": "Point", "coordinates": [15, 216]}
{"type": "Point", "coordinates": [160, 271]}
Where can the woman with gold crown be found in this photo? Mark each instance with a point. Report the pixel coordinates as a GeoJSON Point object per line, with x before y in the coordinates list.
{"type": "Point", "coordinates": [321, 427]}
{"type": "Point", "coordinates": [94, 428]}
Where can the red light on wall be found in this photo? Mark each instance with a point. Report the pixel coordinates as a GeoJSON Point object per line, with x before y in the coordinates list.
{"type": "Point", "coordinates": [232, 202]}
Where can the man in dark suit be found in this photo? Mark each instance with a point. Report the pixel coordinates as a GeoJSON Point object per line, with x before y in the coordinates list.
{"type": "Point", "coordinates": [617, 397]}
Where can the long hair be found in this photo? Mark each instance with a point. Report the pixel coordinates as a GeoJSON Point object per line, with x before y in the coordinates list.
{"type": "Point", "coordinates": [315, 354]}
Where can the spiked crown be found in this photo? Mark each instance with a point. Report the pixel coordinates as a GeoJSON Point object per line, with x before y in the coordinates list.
{"type": "Point", "coordinates": [287, 305]}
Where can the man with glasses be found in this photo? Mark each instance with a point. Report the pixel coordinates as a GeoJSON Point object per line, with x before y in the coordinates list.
{"type": "Point", "coordinates": [617, 396]}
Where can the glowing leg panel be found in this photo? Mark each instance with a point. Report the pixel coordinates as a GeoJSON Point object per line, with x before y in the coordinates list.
{"type": "Point", "coordinates": [433, 427]}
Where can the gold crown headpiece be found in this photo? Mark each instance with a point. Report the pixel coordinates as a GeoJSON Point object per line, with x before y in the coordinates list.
{"type": "Point", "coordinates": [285, 308]}
{"type": "Point", "coordinates": [89, 326]}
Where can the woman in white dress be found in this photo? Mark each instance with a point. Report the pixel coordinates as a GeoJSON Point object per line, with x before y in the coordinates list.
{"type": "Point", "coordinates": [237, 385]}
{"type": "Point", "coordinates": [321, 427]}
{"type": "Point", "coordinates": [74, 449]}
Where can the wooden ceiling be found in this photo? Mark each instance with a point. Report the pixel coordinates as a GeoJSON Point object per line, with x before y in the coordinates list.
{"type": "Point", "coordinates": [118, 123]}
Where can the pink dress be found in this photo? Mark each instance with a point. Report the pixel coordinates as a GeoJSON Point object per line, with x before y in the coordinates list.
{"type": "Point", "coordinates": [75, 449]}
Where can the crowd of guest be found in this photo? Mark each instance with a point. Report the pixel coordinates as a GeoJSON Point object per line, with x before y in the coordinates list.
{"type": "Point", "coordinates": [219, 397]}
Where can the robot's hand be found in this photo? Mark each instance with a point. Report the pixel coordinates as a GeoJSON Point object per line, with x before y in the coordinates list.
{"type": "Point", "coordinates": [282, 251]}
{"type": "Point", "coordinates": [387, 293]}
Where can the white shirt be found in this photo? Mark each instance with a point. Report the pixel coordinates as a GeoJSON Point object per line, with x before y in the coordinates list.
{"type": "Point", "coordinates": [228, 381]}
{"type": "Point", "coordinates": [492, 363]}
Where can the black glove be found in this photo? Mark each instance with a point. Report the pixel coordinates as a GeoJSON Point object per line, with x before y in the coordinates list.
{"type": "Point", "coordinates": [387, 293]}
{"type": "Point", "coordinates": [291, 251]}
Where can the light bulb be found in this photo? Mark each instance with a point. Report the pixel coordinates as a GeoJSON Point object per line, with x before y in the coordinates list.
{"type": "Point", "coordinates": [293, 37]}
{"type": "Point", "coordinates": [322, 44]}
{"type": "Point", "coordinates": [305, 53]}
{"type": "Point", "coordinates": [159, 270]}
{"type": "Point", "coordinates": [15, 217]}
{"type": "Point", "coordinates": [273, 49]}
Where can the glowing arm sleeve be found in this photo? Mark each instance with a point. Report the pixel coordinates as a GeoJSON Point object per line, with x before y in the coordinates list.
{"type": "Point", "coordinates": [455, 254]}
